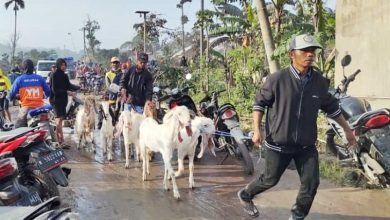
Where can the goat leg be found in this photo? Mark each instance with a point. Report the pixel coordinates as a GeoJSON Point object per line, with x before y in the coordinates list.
{"type": "Point", "coordinates": [127, 165]}
{"type": "Point", "coordinates": [180, 163]}
{"type": "Point", "coordinates": [191, 169]}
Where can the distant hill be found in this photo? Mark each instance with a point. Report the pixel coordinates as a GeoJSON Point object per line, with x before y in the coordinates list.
{"type": "Point", "coordinates": [60, 52]}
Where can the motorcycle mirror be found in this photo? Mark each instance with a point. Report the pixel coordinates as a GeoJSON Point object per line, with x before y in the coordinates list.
{"type": "Point", "coordinates": [175, 91]}
{"type": "Point", "coordinates": [346, 60]}
{"type": "Point", "coordinates": [156, 89]}
{"type": "Point", "coordinates": [188, 76]}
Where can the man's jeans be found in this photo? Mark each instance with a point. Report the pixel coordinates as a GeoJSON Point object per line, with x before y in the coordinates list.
{"type": "Point", "coordinates": [275, 164]}
{"type": "Point", "coordinates": [137, 108]}
{"type": "Point", "coordinates": [21, 121]}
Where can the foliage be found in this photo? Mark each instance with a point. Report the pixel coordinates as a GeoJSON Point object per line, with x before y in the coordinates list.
{"type": "Point", "coordinates": [153, 26]}
{"type": "Point", "coordinates": [36, 55]}
{"type": "Point", "coordinates": [91, 27]}
{"type": "Point", "coordinates": [17, 4]}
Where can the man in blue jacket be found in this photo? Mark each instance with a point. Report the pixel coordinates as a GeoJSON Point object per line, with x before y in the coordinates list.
{"type": "Point", "coordinates": [292, 98]}
{"type": "Point", "coordinates": [32, 89]}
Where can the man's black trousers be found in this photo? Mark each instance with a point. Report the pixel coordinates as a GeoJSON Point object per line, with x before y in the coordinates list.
{"type": "Point", "coordinates": [307, 165]}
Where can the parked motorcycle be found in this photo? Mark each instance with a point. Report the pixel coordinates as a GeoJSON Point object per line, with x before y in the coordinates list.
{"type": "Point", "coordinates": [39, 117]}
{"type": "Point", "coordinates": [371, 129]}
{"type": "Point", "coordinates": [50, 209]}
{"type": "Point", "coordinates": [98, 83]}
{"type": "Point", "coordinates": [38, 168]}
{"type": "Point", "coordinates": [82, 82]}
{"type": "Point", "coordinates": [4, 124]}
{"type": "Point", "coordinates": [230, 138]}
{"type": "Point", "coordinates": [90, 81]}
{"type": "Point", "coordinates": [179, 97]}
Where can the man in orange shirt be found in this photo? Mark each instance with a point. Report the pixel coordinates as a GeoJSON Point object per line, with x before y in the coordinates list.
{"type": "Point", "coordinates": [31, 89]}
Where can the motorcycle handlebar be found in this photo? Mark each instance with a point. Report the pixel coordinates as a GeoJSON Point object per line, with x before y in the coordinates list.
{"type": "Point", "coordinates": [352, 77]}
{"type": "Point", "coordinates": [162, 98]}
{"type": "Point", "coordinates": [219, 92]}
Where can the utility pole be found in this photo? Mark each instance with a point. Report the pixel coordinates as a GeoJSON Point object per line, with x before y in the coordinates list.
{"type": "Point", "coordinates": [85, 46]}
{"type": "Point", "coordinates": [71, 38]}
{"type": "Point", "coordinates": [183, 21]}
{"type": "Point", "coordinates": [140, 14]}
{"type": "Point", "coordinates": [182, 29]}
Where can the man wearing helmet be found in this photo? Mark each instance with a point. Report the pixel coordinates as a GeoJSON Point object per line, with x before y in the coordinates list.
{"type": "Point", "coordinates": [137, 85]}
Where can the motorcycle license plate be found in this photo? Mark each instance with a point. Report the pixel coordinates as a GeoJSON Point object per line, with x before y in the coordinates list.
{"type": "Point", "coordinates": [31, 200]}
{"type": "Point", "coordinates": [51, 160]}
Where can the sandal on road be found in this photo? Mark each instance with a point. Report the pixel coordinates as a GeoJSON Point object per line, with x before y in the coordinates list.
{"type": "Point", "coordinates": [249, 206]}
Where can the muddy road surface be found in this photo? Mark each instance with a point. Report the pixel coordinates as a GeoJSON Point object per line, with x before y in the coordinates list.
{"type": "Point", "coordinates": [106, 190]}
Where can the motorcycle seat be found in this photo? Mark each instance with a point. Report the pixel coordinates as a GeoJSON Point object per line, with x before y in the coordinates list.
{"type": "Point", "coordinates": [36, 111]}
{"type": "Point", "coordinates": [359, 119]}
{"type": "Point", "coordinates": [6, 136]}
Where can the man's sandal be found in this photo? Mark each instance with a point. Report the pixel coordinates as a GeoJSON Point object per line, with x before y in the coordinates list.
{"type": "Point", "coordinates": [248, 206]}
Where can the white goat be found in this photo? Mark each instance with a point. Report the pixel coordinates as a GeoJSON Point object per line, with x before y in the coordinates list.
{"type": "Point", "coordinates": [201, 126]}
{"type": "Point", "coordinates": [85, 123]}
{"type": "Point", "coordinates": [107, 130]}
{"type": "Point", "coordinates": [164, 138]}
{"type": "Point", "coordinates": [128, 125]}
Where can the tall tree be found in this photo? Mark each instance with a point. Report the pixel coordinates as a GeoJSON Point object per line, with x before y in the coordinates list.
{"type": "Point", "coordinates": [153, 25]}
{"type": "Point", "coordinates": [91, 26]}
{"type": "Point", "coordinates": [17, 5]}
{"type": "Point", "coordinates": [266, 34]}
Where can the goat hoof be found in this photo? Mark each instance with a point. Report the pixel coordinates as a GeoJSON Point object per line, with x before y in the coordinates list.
{"type": "Point", "coordinates": [127, 166]}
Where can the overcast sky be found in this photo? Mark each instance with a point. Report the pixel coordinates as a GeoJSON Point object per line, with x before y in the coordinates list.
{"type": "Point", "coordinates": [46, 23]}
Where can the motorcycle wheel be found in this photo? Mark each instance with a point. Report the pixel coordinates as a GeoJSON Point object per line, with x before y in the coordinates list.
{"type": "Point", "coordinates": [333, 147]}
{"type": "Point", "coordinates": [247, 161]}
{"type": "Point", "coordinates": [47, 186]}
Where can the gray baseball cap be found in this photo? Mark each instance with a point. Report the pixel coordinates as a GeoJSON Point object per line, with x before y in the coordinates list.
{"type": "Point", "coordinates": [303, 41]}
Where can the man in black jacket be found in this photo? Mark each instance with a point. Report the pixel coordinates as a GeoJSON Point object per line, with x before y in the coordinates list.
{"type": "Point", "coordinates": [292, 98]}
{"type": "Point", "coordinates": [137, 85]}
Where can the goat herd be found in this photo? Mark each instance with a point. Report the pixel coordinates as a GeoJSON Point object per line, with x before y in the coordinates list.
{"type": "Point", "coordinates": [142, 133]}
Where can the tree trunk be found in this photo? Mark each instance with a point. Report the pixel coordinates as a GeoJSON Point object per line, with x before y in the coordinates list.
{"type": "Point", "coordinates": [266, 34]}
{"type": "Point", "coordinates": [14, 43]}
{"type": "Point", "coordinates": [207, 56]}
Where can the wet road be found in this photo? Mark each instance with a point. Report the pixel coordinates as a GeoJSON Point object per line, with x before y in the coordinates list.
{"type": "Point", "coordinates": [103, 190]}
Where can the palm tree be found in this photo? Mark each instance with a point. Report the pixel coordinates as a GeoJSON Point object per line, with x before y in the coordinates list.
{"type": "Point", "coordinates": [17, 4]}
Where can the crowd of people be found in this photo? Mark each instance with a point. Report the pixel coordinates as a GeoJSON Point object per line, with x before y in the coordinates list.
{"type": "Point", "coordinates": [31, 89]}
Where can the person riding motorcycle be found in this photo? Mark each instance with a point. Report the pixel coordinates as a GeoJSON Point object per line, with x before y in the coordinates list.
{"type": "Point", "coordinates": [32, 89]}
{"type": "Point", "coordinates": [137, 85]}
{"type": "Point", "coordinates": [5, 86]}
